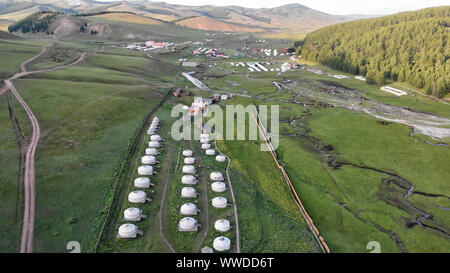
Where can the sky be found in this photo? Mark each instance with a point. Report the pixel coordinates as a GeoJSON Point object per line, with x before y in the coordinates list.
{"type": "Point", "coordinates": [338, 7]}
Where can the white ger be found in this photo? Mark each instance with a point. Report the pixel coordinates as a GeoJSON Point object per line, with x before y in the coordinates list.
{"type": "Point", "coordinates": [218, 187]}
{"type": "Point", "coordinates": [221, 158]}
{"type": "Point", "coordinates": [127, 231]}
{"type": "Point", "coordinates": [189, 160]}
{"type": "Point", "coordinates": [222, 225]}
{"type": "Point", "coordinates": [206, 146]}
{"type": "Point", "coordinates": [216, 176]}
{"type": "Point", "coordinates": [219, 202]}
{"type": "Point", "coordinates": [187, 153]}
{"type": "Point", "coordinates": [152, 151]}
{"type": "Point", "coordinates": [188, 180]}
{"type": "Point", "coordinates": [222, 243]}
{"type": "Point", "coordinates": [187, 224]}
{"type": "Point", "coordinates": [148, 160]}
{"type": "Point", "coordinates": [156, 138]}
{"type": "Point", "coordinates": [188, 209]}
{"type": "Point", "coordinates": [188, 169]}
{"type": "Point", "coordinates": [146, 170]}
{"type": "Point", "coordinates": [142, 183]}
{"type": "Point", "coordinates": [188, 192]}
{"type": "Point", "coordinates": [132, 215]}
{"type": "Point", "coordinates": [210, 152]}
{"type": "Point", "coordinates": [138, 197]}
{"type": "Point", "coordinates": [154, 144]}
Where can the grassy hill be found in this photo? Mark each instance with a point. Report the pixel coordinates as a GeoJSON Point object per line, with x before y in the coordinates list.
{"type": "Point", "coordinates": [412, 47]}
{"type": "Point", "coordinates": [230, 18]}
{"type": "Point", "coordinates": [8, 36]}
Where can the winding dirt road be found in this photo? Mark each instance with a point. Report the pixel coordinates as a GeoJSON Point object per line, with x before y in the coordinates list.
{"type": "Point", "coordinates": [26, 244]}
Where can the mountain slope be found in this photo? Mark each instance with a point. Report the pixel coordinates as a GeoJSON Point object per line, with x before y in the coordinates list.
{"type": "Point", "coordinates": [242, 19]}
{"type": "Point", "coordinates": [412, 47]}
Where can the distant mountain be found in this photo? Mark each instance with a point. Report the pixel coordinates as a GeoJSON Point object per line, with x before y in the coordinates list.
{"type": "Point", "coordinates": [412, 47]}
{"type": "Point", "coordinates": [229, 18]}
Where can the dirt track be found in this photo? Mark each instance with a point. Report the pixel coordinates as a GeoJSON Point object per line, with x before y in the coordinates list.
{"type": "Point", "coordinates": [26, 245]}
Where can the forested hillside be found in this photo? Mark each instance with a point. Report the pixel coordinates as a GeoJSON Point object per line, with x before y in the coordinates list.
{"type": "Point", "coordinates": [411, 47]}
{"type": "Point", "coordinates": [37, 22]}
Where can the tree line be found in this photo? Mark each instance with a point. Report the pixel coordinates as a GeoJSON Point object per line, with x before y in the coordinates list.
{"type": "Point", "coordinates": [412, 47]}
{"type": "Point", "coordinates": [36, 22]}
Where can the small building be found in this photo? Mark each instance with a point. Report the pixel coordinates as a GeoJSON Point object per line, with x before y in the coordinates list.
{"type": "Point", "coordinates": [156, 138]}
{"type": "Point", "coordinates": [188, 224]}
{"type": "Point", "coordinates": [207, 249]}
{"type": "Point", "coordinates": [189, 64]}
{"type": "Point", "coordinates": [152, 151]}
{"type": "Point", "coordinates": [219, 202]}
{"type": "Point", "coordinates": [188, 180]}
{"type": "Point", "coordinates": [187, 153]}
{"type": "Point", "coordinates": [128, 231]}
{"type": "Point", "coordinates": [148, 160]}
{"type": "Point", "coordinates": [216, 176]}
{"type": "Point", "coordinates": [138, 197]}
{"type": "Point", "coordinates": [188, 192]}
{"type": "Point", "coordinates": [133, 215]}
{"type": "Point", "coordinates": [154, 144]}
{"type": "Point", "coordinates": [220, 158]}
{"type": "Point", "coordinates": [206, 146]}
{"type": "Point", "coordinates": [142, 183]}
{"type": "Point", "coordinates": [145, 170]}
{"type": "Point", "coordinates": [218, 187]}
{"type": "Point", "coordinates": [210, 152]}
{"type": "Point", "coordinates": [222, 225]}
{"type": "Point", "coordinates": [188, 169]}
{"type": "Point", "coordinates": [222, 243]}
{"type": "Point", "coordinates": [188, 209]}
{"type": "Point", "coordinates": [189, 160]}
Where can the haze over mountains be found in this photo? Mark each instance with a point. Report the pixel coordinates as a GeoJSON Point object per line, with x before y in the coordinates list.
{"type": "Point", "coordinates": [230, 18]}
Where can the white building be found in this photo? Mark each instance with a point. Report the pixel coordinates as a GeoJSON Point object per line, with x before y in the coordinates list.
{"type": "Point", "coordinates": [188, 169]}
{"type": "Point", "coordinates": [216, 176]}
{"type": "Point", "coordinates": [132, 215]}
{"type": "Point", "coordinates": [188, 192]}
{"type": "Point", "coordinates": [188, 180]}
{"type": "Point", "coordinates": [219, 202]}
{"type": "Point", "coordinates": [142, 182]}
{"type": "Point", "coordinates": [218, 187]}
{"type": "Point", "coordinates": [187, 224]}
{"type": "Point", "coordinates": [127, 231]}
{"type": "Point", "coordinates": [137, 197]}
{"type": "Point", "coordinates": [222, 225]}
{"type": "Point", "coordinates": [222, 243]}
{"type": "Point", "coordinates": [145, 170]}
{"type": "Point", "coordinates": [188, 209]}
{"type": "Point", "coordinates": [148, 160]}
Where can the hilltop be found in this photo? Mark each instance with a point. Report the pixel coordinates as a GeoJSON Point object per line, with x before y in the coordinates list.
{"type": "Point", "coordinates": [230, 18]}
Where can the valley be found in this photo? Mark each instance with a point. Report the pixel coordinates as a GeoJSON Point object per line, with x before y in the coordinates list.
{"type": "Point", "coordinates": [78, 104]}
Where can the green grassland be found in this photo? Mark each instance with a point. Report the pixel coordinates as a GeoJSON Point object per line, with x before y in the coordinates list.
{"type": "Point", "coordinates": [10, 192]}
{"type": "Point", "coordinates": [352, 206]}
{"type": "Point", "coordinates": [82, 114]}
{"type": "Point", "coordinates": [15, 52]}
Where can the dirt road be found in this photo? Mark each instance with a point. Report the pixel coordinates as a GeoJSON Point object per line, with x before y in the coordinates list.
{"type": "Point", "coordinates": [26, 244]}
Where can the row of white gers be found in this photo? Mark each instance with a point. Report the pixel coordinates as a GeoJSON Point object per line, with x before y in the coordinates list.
{"type": "Point", "coordinates": [138, 195]}
{"type": "Point", "coordinates": [189, 179]}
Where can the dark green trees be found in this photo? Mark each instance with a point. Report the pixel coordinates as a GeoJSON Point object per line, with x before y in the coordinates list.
{"type": "Point", "coordinates": [411, 47]}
